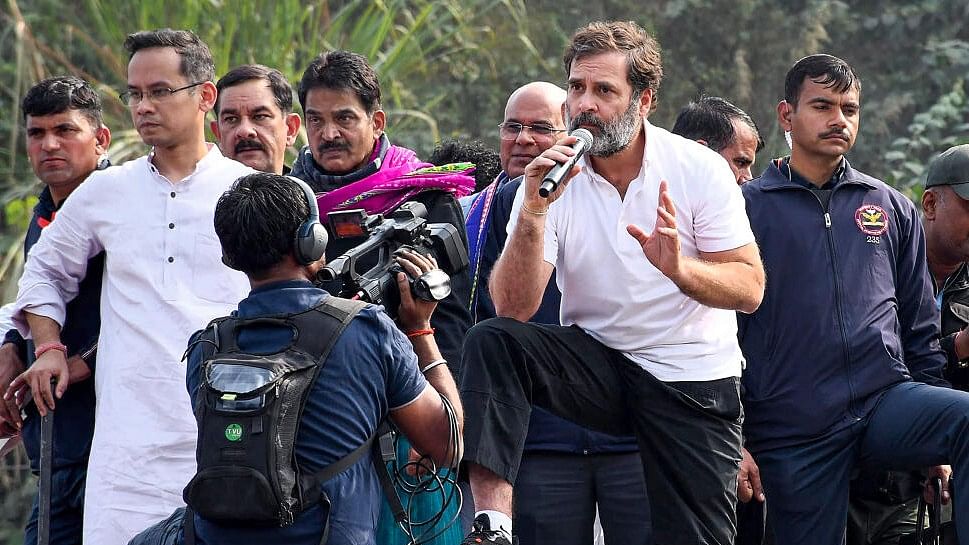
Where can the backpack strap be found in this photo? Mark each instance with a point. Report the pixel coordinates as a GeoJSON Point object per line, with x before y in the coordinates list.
{"type": "Point", "coordinates": [312, 493]}
{"type": "Point", "coordinates": [380, 459]}
{"type": "Point", "coordinates": [318, 328]}
{"type": "Point", "coordinates": [310, 484]}
{"type": "Point", "coordinates": [209, 338]}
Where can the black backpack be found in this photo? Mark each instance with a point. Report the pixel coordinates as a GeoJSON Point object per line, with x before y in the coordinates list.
{"type": "Point", "coordinates": [248, 408]}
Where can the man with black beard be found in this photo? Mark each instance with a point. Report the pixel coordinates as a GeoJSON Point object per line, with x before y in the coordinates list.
{"type": "Point", "coordinates": [648, 343]}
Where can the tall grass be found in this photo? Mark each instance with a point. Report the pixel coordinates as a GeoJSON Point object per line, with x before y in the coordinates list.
{"type": "Point", "coordinates": [41, 38]}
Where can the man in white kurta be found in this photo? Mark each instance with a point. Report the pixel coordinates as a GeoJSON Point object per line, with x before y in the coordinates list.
{"type": "Point", "coordinates": [163, 280]}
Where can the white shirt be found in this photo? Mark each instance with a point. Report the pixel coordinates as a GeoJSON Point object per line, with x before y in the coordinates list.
{"type": "Point", "coordinates": [6, 321]}
{"type": "Point", "coordinates": [613, 292]}
{"type": "Point", "coordinates": [163, 280]}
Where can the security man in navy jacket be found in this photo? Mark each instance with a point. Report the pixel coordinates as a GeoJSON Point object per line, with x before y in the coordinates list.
{"type": "Point", "coordinates": [843, 360]}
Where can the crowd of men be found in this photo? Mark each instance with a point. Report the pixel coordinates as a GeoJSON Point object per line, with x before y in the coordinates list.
{"type": "Point", "coordinates": [663, 324]}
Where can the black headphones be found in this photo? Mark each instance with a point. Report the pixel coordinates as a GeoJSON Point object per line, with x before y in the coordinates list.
{"type": "Point", "coordinates": [311, 237]}
{"type": "Point", "coordinates": [309, 241]}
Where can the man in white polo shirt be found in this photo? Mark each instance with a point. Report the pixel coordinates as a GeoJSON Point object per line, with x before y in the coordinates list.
{"type": "Point", "coordinates": [163, 280]}
{"type": "Point", "coordinates": [648, 342]}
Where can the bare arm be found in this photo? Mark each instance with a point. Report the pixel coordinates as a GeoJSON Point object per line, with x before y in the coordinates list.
{"type": "Point", "coordinates": [732, 279]}
{"type": "Point", "coordinates": [10, 367]}
{"type": "Point", "coordinates": [518, 280]}
{"type": "Point", "coordinates": [521, 273]}
{"type": "Point", "coordinates": [426, 421]}
{"type": "Point", "coordinates": [52, 364]}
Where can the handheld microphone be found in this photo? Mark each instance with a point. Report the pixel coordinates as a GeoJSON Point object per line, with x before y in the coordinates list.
{"type": "Point", "coordinates": [554, 177]}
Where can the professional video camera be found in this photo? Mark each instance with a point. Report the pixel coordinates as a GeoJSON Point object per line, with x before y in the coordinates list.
{"type": "Point", "coordinates": [405, 228]}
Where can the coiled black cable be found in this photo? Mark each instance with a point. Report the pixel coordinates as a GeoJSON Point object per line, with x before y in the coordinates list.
{"type": "Point", "coordinates": [422, 476]}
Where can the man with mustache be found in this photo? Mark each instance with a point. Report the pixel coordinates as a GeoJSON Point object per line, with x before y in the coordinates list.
{"type": "Point", "coordinates": [255, 122]}
{"type": "Point", "coordinates": [568, 473]}
{"type": "Point", "coordinates": [350, 159]}
{"type": "Point", "coordinates": [351, 164]}
{"type": "Point", "coordinates": [648, 342]}
{"type": "Point", "coordinates": [844, 367]}
{"type": "Point", "coordinates": [163, 279]}
{"type": "Point", "coordinates": [66, 142]}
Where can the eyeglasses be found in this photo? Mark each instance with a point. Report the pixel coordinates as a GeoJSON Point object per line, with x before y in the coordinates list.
{"type": "Point", "coordinates": [510, 130]}
{"type": "Point", "coordinates": [133, 97]}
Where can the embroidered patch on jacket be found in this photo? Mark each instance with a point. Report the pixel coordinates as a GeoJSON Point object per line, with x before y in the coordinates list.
{"type": "Point", "coordinates": [871, 219]}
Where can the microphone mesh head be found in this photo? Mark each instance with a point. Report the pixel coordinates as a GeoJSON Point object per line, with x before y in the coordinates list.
{"type": "Point", "coordinates": [584, 135]}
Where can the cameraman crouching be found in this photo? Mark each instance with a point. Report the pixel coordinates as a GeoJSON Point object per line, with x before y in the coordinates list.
{"type": "Point", "coordinates": [268, 227]}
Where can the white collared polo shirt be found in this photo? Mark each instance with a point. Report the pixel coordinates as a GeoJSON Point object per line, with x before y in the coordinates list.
{"type": "Point", "coordinates": [613, 292]}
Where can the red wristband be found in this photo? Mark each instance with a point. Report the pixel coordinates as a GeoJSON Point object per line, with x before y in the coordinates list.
{"type": "Point", "coordinates": [47, 347]}
{"type": "Point", "coordinates": [419, 333]}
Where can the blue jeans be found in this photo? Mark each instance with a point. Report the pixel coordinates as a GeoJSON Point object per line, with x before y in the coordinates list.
{"type": "Point", "coordinates": [913, 426]}
{"type": "Point", "coordinates": [66, 507]}
{"type": "Point", "coordinates": [557, 493]}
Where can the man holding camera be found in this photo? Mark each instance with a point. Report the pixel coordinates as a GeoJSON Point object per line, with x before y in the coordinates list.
{"type": "Point", "coordinates": [352, 162]}
{"type": "Point", "coordinates": [369, 373]}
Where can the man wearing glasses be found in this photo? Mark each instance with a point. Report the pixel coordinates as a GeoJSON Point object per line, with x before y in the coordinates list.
{"type": "Point", "coordinates": [567, 471]}
{"type": "Point", "coordinates": [163, 279]}
{"type": "Point", "coordinates": [532, 123]}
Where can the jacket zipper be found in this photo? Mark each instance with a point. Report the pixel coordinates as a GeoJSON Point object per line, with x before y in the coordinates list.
{"type": "Point", "coordinates": [838, 297]}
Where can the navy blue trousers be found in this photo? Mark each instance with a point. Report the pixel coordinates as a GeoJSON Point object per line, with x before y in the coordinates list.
{"type": "Point", "coordinates": [913, 426]}
{"type": "Point", "coordinates": [66, 507]}
{"type": "Point", "coordinates": [556, 496]}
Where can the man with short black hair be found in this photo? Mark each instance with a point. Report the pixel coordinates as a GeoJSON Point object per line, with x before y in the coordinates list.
{"type": "Point", "coordinates": [729, 131]}
{"type": "Point", "coordinates": [724, 128]}
{"type": "Point", "coordinates": [487, 164]}
{"type": "Point", "coordinates": [66, 141]}
{"type": "Point", "coordinates": [163, 279]}
{"type": "Point", "coordinates": [254, 118]}
{"type": "Point", "coordinates": [843, 360]}
{"type": "Point", "coordinates": [351, 164]}
{"type": "Point", "coordinates": [651, 348]}
{"type": "Point", "coordinates": [351, 161]}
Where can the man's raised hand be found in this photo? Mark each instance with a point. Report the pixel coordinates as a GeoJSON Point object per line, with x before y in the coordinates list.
{"type": "Point", "coordinates": [662, 246]}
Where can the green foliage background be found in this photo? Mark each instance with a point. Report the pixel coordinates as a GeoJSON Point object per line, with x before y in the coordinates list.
{"type": "Point", "coordinates": [447, 66]}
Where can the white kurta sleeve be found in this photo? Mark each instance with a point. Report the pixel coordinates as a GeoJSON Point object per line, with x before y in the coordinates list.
{"type": "Point", "coordinates": [58, 261]}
